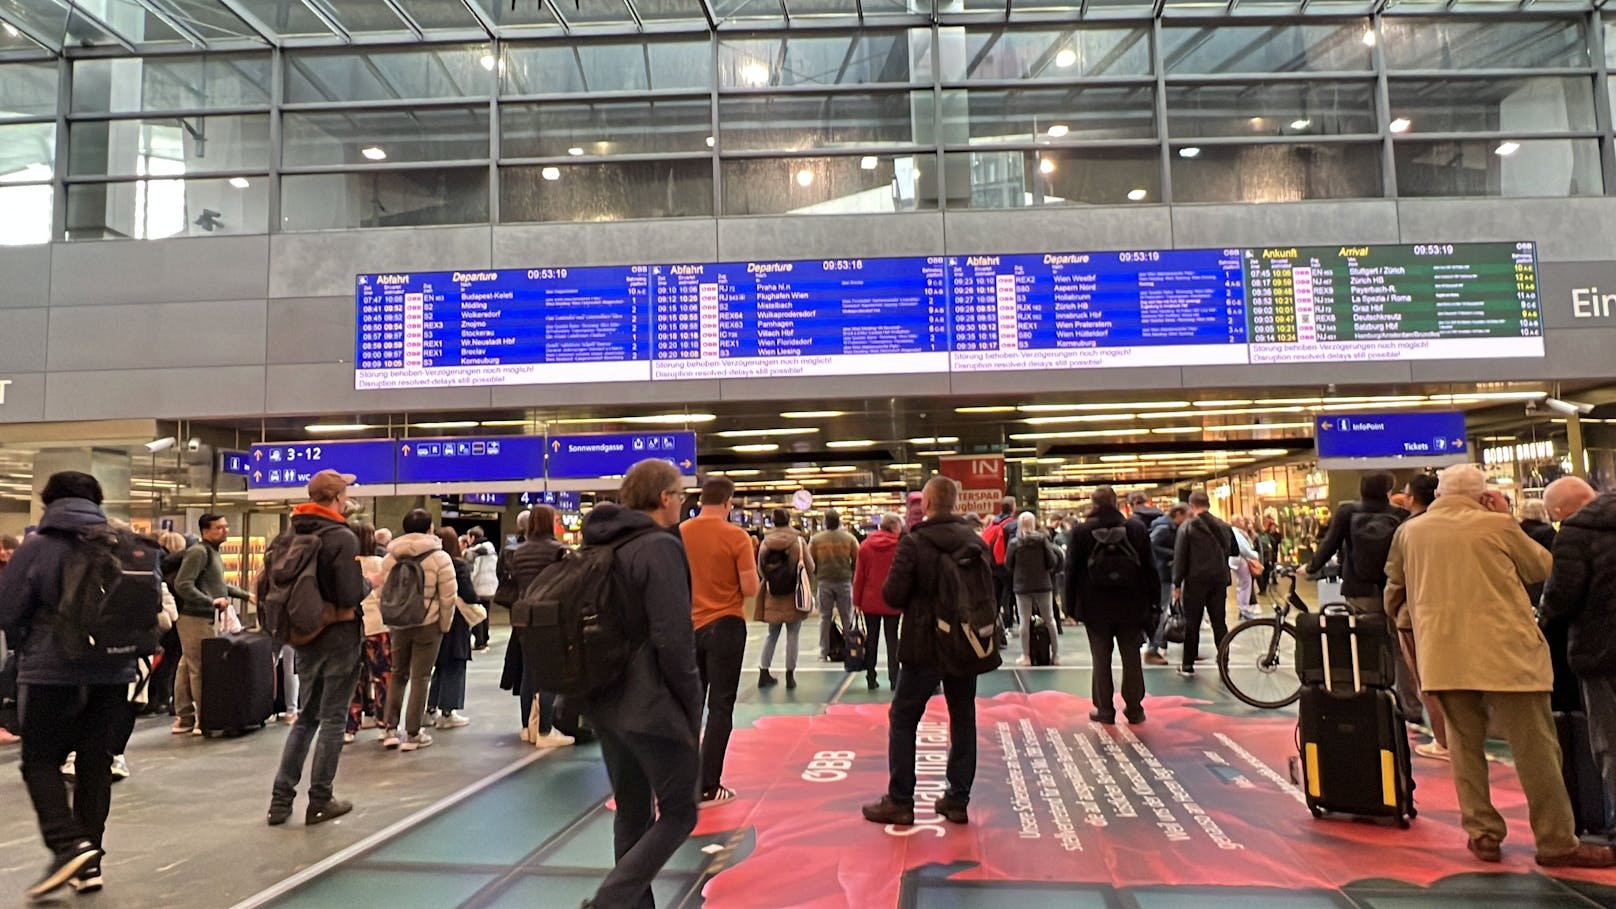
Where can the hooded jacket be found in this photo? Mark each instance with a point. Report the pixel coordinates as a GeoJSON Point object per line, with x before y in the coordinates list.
{"type": "Point", "coordinates": [1163, 536]}
{"type": "Point", "coordinates": [911, 586]}
{"type": "Point", "coordinates": [874, 564]}
{"type": "Point", "coordinates": [782, 610]}
{"type": "Point", "coordinates": [1581, 589]}
{"type": "Point", "coordinates": [442, 589]}
{"type": "Point", "coordinates": [660, 693]}
{"type": "Point", "coordinates": [338, 572]}
{"type": "Point", "coordinates": [31, 587]}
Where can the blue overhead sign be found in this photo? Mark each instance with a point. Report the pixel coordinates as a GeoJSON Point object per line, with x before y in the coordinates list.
{"type": "Point", "coordinates": [236, 462]}
{"type": "Point", "coordinates": [290, 465]}
{"type": "Point", "coordinates": [563, 501]}
{"type": "Point", "coordinates": [610, 454]}
{"type": "Point", "coordinates": [1393, 435]}
{"type": "Point", "coordinates": [470, 460]}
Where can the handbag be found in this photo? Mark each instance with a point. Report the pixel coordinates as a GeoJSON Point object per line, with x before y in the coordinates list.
{"type": "Point", "coordinates": [855, 656]}
{"type": "Point", "coordinates": [804, 594]}
{"type": "Point", "coordinates": [1173, 626]}
{"type": "Point", "coordinates": [227, 621]}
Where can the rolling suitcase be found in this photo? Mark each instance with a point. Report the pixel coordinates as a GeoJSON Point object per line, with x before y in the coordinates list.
{"type": "Point", "coordinates": [1345, 648]}
{"type": "Point", "coordinates": [1038, 644]}
{"type": "Point", "coordinates": [238, 683]}
{"type": "Point", "coordinates": [1581, 773]}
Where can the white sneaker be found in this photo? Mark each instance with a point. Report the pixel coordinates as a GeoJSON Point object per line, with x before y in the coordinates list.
{"type": "Point", "coordinates": [348, 738]}
{"type": "Point", "coordinates": [70, 768]}
{"type": "Point", "coordinates": [1024, 661]}
{"type": "Point", "coordinates": [452, 720]}
{"type": "Point", "coordinates": [418, 740]}
{"type": "Point", "coordinates": [390, 739]}
{"type": "Point", "coordinates": [553, 739]}
{"type": "Point", "coordinates": [120, 768]}
{"type": "Point", "coordinates": [1433, 751]}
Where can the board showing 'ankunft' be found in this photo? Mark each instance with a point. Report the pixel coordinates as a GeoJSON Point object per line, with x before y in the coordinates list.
{"type": "Point", "coordinates": [731, 320]}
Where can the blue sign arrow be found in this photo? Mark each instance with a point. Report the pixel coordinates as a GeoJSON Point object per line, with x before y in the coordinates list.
{"type": "Point", "coordinates": [1394, 435]}
{"type": "Point", "coordinates": [589, 457]}
{"type": "Point", "coordinates": [290, 465]}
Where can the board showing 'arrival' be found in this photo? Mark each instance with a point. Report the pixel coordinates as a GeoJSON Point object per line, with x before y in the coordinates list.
{"type": "Point", "coordinates": [936, 314]}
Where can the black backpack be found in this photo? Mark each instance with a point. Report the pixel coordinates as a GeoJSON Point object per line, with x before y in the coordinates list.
{"type": "Point", "coordinates": [967, 610]}
{"type": "Point", "coordinates": [570, 622]}
{"type": "Point", "coordinates": [290, 603]}
{"type": "Point", "coordinates": [1369, 544]}
{"type": "Point", "coordinates": [780, 572]}
{"type": "Point", "coordinates": [507, 592]}
{"type": "Point", "coordinates": [111, 596]}
{"type": "Point", "coordinates": [403, 598]}
{"type": "Point", "coordinates": [1113, 562]}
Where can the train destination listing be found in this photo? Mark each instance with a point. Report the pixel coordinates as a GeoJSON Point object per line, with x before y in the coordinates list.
{"type": "Point", "coordinates": [964, 313]}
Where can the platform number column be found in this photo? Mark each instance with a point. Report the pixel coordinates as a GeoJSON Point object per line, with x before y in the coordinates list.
{"type": "Point", "coordinates": [1009, 322]}
{"type": "Point", "coordinates": [414, 331]}
{"type": "Point", "coordinates": [710, 347]}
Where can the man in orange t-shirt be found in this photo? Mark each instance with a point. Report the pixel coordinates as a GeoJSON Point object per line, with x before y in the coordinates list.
{"type": "Point", "coordinates": [723, 577]}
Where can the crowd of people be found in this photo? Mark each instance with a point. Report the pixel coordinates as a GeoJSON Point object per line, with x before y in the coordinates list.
{"type": "Point", "coordinates": [397, 618]}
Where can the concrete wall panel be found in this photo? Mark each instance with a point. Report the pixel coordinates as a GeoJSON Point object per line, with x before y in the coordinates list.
{"type": "Point", "coordinates": [619, 243]}
{"type": "Point", "coordinates": [825, 236]}
{"type": "Point", "coordinates": [22, 341]}
{"type": "Point", "coordinates": [1040, 230]}
{"type": "Point", "coordinates": [24, 398]}
{"type": "Point", "coordinates": [160, 271]}
{"type": "Point", "coordinates": [328, 388]}
{"type": "Point", "coordinates": [218, 391]}
{"type": "Point", "coordinates": [311, 330]}
{"type": "Point", "coordinates": [26, 272]}
{"type": "Point", "coordinates": [1297, 223]}
{"type": "Point", "coordinates": [224, 333]}
{"type": "Point", "coordinates": [1567, 230]}
{"type": "Point", "coordinates": [324, 264]}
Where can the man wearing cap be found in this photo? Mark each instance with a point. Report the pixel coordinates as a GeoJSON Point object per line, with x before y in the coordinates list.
{"type": "Point", "coordinates": [327, 665]}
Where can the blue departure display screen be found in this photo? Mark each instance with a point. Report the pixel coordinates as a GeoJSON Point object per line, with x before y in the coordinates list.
{"type": "Point", "coordinates": [470, 460]}
{"type": "Point", "coordinates": [961, 313]}
{"type": "Point", "coordinates": [1391, 435]}
{"type": "Point", "coordinates": [290, 465]}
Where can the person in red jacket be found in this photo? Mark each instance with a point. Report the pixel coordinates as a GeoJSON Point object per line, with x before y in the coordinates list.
{"type": "Point", "coordinates": [874, 562]}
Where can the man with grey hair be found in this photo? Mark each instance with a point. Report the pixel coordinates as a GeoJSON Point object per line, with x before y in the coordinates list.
{"type": "Point", "coordinates": [1482, 656]}
{"type": "Point", "coordinates": [1580, 597]}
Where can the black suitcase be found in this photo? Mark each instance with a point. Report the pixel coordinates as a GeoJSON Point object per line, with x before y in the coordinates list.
{"type": "Point", "coordinates": [238, 683]}
{"type": "Point", "coordinates": [1581, 772]}
{"type": "Point", "coordinates": [1359, 648]}
{"type": "Point", "coordinates": [1355, 754]}
{"type": "Point", "coordinates": [1038, 644]}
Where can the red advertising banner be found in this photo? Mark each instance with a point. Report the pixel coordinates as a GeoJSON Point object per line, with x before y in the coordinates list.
{"type": "Point", "coordinates": [981, 478]}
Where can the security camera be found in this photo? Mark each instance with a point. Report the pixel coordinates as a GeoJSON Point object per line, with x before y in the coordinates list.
{"type": "Point", "coordinates": [193, 445]}
{"type": "Point", "coordinates": [1568, 408]}
{"type": "Point", "coordinates": [159, 445]}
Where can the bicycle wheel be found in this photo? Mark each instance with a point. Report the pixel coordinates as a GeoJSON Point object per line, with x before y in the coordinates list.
{"type": "Point", "coordinates": [1258, 663]}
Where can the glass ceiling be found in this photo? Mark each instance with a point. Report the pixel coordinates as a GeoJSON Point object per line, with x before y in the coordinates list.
{"type": "Point", "coordinates": [28, 27]}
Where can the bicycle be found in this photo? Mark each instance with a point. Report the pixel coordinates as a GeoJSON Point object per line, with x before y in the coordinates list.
{"type": "Point", "coordinates": [1257, 660]}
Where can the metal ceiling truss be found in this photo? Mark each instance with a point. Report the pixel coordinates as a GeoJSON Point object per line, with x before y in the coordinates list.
{"type": "Point", "coordinates": [252, 22]}
{"type": "Point", "coordinates": [489, 26]}
{"type": "Point", "coordinates": [328, 18]}
{"type": "Point", "coordinates": [405, 17]}
{"type": "Point", "coordinates": [73, 8]}
{"type": "Point", "coordinates": [54, 48]}
{"type": "Point", "coordinates": [174, 21]}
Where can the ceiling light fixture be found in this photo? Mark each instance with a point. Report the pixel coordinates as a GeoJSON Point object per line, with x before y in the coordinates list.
{"type": "Point", "coordinates": [337, 427]}
{"type": "Point", "coordinates": [1079, 418]}
{"type": "Point", "coordinates": [1505, 149]}
{"type": "Point", "coordinates": [986, 408]}
{"type": "Point", "coordinates": [1190, 151]}
{"type": "Point", "coordinates": [1258, 427]}
{"type": "Point", "coordinates": [575, 151]}
{"type": "Point", "coordinates": [1075, 434]}
{"type": "Point", "coordinates": [1174, 430]}
{"type": "Point", "coordinates": [1125, 406]}
{"type": "Point", "coordinates": [934, 440]}
{"type": "Point", "coordinates": [1230, 402]}
{"type": "Point", "coordinates": [1400, 125]}
{"type": "Point", "coordinates": [869, 162]}
{"type": "Point", "coordinates": [1057, 130]}
{"type": "Point", "coordinates": [551, 173]}
{"type": "Point", "coordinates": [1046, 166]}
{"type": "Point", "coordinates": [767, 433]}
{"type": "Point", "coordinates": [488, 62]}
{"type": "Point", "coordinates": [942, 453]}
{"type": "Point", "coordinates": [373, 153]}
{"type": "Point", "coordinates": [1138, 195]}
{"type": "Point", "coordinates": [905, 466]}
{"type": "Point", "coordinates": [446, 424]}
{"type": "Point", "coordinates": [758, 448]}
{"type": "Point", "coordinates": [240, 182]}
{"type": "Point", "coordinates": [1065, 58]}
{"type": "Point", "coordinates": [813, 414]}
{"type": "Point", "coordinates": [1301, 123]}
{"type": "Point", "coordinates": [805, 178]}
{"type": "Point", "coordinates": [852, 443]}
{"type": "Point", "coordinates": [661, 419]}
{"type": "Point", "coordinates": [493, 424]}
{"type": "Point", "coordinates": [1369, 38]}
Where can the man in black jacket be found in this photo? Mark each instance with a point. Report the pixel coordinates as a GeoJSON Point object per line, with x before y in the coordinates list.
{"type": "Point", "coordinates": [1163, 540]}
{"type": "Point", "coordinates": [911, 587]}
{"type": "Point", "coordinates": [1580, 595]}
{"type": "Point", "coordinates": [1201, 555]}
{"type": "Point", "coordinates": [650, 721]}
{"type": "Point", "coordinates": [1112, 583]}
{"type": "Point", "coordinates": [328, 665]}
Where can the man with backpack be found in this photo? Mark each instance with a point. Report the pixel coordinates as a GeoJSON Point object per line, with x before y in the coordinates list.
{"type": "Point", "coordinates": [1201, 554]}
{"type": "Point", "coordinates": [998, 536]}
{"type": "Point", "coordinates": [1112, 585]}
{"type": "Point", "coordinates": [942, 582]}
{"type": "Point", "coordinates": [77, 605]}
{"type": "Point", "coordinates": [1361, 533]}
{"type": "Point", "coordinates": [310, 594]}
{"type": "Point", "coordinates": [648, 713]}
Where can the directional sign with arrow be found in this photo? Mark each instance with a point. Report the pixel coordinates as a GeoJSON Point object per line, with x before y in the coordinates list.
{"type": "Point", "coordinates": [1392, 435]}
{"type": "Point", "coordinates": [588, 457]}
{"type": "Point", "coordinates": [471, 460]}
{"type": "Point", "coordinates": [290, 465]}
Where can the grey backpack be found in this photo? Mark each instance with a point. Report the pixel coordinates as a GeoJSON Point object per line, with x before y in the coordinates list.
{"type": "Point", "coordinates": [403, 598]}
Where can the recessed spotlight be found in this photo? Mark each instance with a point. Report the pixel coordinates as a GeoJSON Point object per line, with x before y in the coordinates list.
{"type": "Point", "coordinates": [240, 182]}
{"type": "Point", "coordinates": [755, 74]}
{"type": "Point", "coordinates": [1065, 58]}
{"type": "Point", "coordinates": [488, 62]}
{"type": "Point", "coordinates": [1137, 195]}
{"type": "Point", "coordinates": [575, 151]}
{"type": "Point", "coordinates": [1189, 151]}
{"type": "Point", "coordinates": [1046, 166]}
{"type": "Point", "coordinates": [1505, 149]}
{"type": "Point", "coordinates": [1301, 123]}
{"type": "Point", "coordinates": [551, 173]}
{"type": "Point", "coordinates": [805, 178]}
{"type": "Point", "coordinates": [1369, 38]}
{"type": "Point", "coordinates": [373, 153]}
{"type": "Point", "coordinates": [711, 141]}
{"type": "Point", "coordinates": [1400, 125]}
{"type": "Point", "coordinates": [1058, 130]}
{"type": "Point", "coordinates": [869, 162]}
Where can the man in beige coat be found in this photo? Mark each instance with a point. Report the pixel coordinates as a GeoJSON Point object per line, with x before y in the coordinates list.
{"type": "Point", "coordinates": [1480, 652]}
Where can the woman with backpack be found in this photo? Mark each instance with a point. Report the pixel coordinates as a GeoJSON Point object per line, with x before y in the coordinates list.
{"type": "Point", "coordinates": [447, 695]}
{"type": "Point", "coordinates": [376, 655]}
{"type": "Point", "coordinates": [538, 551]}
{"type": "Point", "coordinates": [419, 594]}
{"type": "Point", "coordinates": [782, 553]}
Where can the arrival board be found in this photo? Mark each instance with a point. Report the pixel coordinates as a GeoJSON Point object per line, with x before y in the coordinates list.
{"type": "Point", "coordinates": [879, 316]}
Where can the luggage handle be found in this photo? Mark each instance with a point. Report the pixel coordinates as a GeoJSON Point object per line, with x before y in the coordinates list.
{"type": "Point", "coordinates": [1352, 641]}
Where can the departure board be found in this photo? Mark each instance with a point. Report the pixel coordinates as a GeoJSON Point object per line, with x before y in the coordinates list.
{"type": "Point", "coordinates": [965, 313]}
{"type": "Point", "coordinates": [1426, 301]}
{"type": "Point", "coordinates": [1076, 310]}
{"type": "Point", "coordinates": [831, 317]}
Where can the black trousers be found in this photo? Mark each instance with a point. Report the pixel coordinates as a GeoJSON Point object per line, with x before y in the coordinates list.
{"type": "Point", "coordinates": [720, 650]}
{"type": "Point", "coordinates": [1128, 638]}
{"type": "Point", "coordinates": [479, 635]}
{"type": "Point", "coordinates": [915, 687]}
{"type": "Point", "coordinates": [654, 781]}
{"type": "Point", "coordinates": [878, 627]}
{"type": "Point", "coordinates": [57, 720]}
{"type": "Point", "coordinates": [1199, 600]}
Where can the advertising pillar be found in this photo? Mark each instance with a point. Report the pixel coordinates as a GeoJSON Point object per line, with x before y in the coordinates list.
{"type": "Point", "coordinates": [981, 478]}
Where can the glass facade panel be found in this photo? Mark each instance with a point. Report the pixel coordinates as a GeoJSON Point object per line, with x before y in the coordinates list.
{"type": "Point", "coordinates": [359, 137]}
{"type": "Point", "coordinates": [1277, 173]}
{"type": "Point", "coordinates": [1048, 115]}
{"type": "Point", "coordinates": [801, 122]}
{"type": "Point", "coordinates": [577, 128]}
{"type": "Point", "coordinates": [1066, 176]}
{"type": "Point", "coordinates": [163, 206]}
{"type": "Point", "coordinates": [1536, 105]}
{"type": "Point", "coordinates": [1493, 167]}
{"type": "Point", "coordinates": [445, 71]}
{"type": "Point", "coordinates": [133, 84]}
{"type": "Point", "coordinates": [1062, 54]}
{"type": "Point", "coordinates": [554, 69]}
{"type": "Point", "coordinates": [1218, 47]}
{"type": "Point", "coordinates": [809, 59]}
{"type": "Point", "coordinates": [28, 213]}
{"type": "Point", "coordinates": [606, 192]}
{"type": "Point", "coordinates": [1451, 44]}
{"type": "Point", "coordinates": [829, 186]}
{"type": "Point", "coordinates": [1271, 109]}
{"type": "Point", "coordinates": [174, 145]}
{"type": "Point", "coordinates": [27, 153]}
{"type": "Point", "coordinates": [27, 90]}
{"type": "Point", "coordinates": [392, 198]}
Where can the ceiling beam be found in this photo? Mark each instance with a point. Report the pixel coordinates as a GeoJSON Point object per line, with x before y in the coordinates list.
{"type": "Point", "coordinates": [634, 12]}
{"type": "Point", "coordinates": [75, 10]}
{"type": "Point", "coordinates": [173, 21]}
{"type": "Point", "coordinates": [404, 16]}
{"type": "Point", "coordinates": [252, 21]}
{"type": "Point", "coordinates": [490, 27]}
{"type": "Point", "coordinates": [328, 18]}
{"type": "Point", "coordinates": [27, 31]}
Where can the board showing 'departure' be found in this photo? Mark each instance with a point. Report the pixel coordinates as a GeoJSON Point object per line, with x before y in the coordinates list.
{"type": "Point", "coordinates": [937, 314]}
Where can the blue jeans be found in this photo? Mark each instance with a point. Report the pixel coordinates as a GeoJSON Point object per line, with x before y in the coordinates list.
{"type": "Point", "coordinates": [915, 687]}
{"type": "Point", "coordinates": [837, 596]}
{"type": "Point", "coordinates": [328, 673]}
